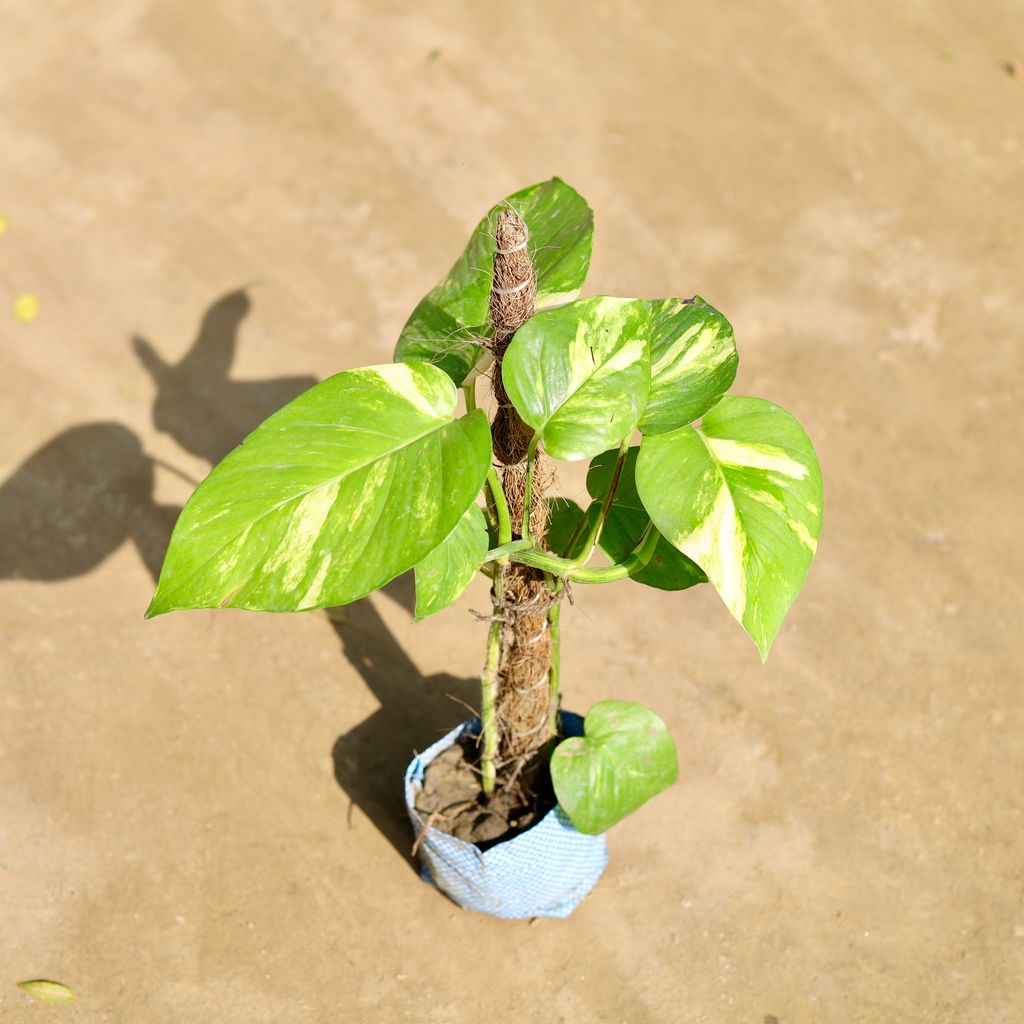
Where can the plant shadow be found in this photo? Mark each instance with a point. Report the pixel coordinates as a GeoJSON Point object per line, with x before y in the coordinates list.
{"type": "Point", "coordinates": [73, 502]}
{"type": "Point", "coordinates": [87, 491]}
{"type": "Point", "coordinates": [197, 401]}
{"type": "Point", "coordinates": [370, 760]}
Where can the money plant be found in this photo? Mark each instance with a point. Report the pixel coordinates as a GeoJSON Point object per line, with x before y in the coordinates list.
{"type": "Point", "coordinates": [379, 470]}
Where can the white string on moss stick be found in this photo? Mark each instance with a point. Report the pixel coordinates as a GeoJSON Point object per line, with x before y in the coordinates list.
{"type": "Point", "coordinates": [511, 291]}
{"type": "Point", "coordinates": [516, 248]}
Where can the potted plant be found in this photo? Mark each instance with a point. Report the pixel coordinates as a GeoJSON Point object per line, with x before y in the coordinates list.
{"type": "Point", "coordinates": [376, 471]}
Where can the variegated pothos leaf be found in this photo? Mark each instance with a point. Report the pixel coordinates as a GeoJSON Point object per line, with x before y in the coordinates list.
{"type": "Point", "coordinates": [446, 327]}
{"type": "Point", "coordinates": [693, 362]}
{"type": "Point", "coordinates": [742, 497]}
{"type": "Point", "coordinates": [346, 487]}
{"type": "Point", "coordinates": [446, 572]}
{"type": "Point", "coordinates": [580, 375]}
{"type": "Point", "coordinates": [625, 757]}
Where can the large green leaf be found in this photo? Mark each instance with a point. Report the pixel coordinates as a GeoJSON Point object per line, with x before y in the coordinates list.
{"type": "Point", "coordinates": [346, 487]}
{"type": "Point", "coordinates": [447, 325]}
{"type": "Point", "coordinates": [580, 375]}
{"type": "Point", "coordinates": [693, 362]}
{"type": "Point", "coordinates": [625, 757]}
{"type": "Point", "coordinates": [668, 568]}
{"type": "Point", "coordinates": [446, 572]}
{"type": "Point", "coordinates": [741, 496]}
{"type": "Point", "coordinates": [561, 227]}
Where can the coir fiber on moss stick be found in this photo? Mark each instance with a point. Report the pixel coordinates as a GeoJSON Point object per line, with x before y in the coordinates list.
{"type": "Point", "coordinates": [523, 700]}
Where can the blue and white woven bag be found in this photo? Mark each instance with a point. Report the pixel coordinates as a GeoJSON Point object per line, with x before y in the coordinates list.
{"type": "Point", "coordinates": [545, 871]}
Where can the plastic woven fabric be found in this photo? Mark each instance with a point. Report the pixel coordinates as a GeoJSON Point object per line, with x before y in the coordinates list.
{"type": "Point", "coordinates": [545, 871]}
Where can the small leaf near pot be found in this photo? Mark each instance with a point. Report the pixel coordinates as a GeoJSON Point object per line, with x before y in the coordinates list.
{"type": "Point", "coordinates": [625, 757]}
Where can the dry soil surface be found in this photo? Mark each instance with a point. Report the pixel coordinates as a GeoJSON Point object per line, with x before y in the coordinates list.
{"type": "Point", "coordinates": [217, 203]}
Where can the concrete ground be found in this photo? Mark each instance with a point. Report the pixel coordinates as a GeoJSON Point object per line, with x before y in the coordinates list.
{"type": "Point", "coordinates": [217, 203]}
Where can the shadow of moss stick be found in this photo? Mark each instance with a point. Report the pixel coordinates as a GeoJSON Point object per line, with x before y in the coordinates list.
{"type": "Point", "coordinates": [370, 760]}
{"type": "Point", "coordinates": [73, 502]}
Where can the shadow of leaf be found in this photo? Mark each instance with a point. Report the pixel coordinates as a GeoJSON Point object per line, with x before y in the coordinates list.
{"type": "Point", "coordinates": [73, 502]}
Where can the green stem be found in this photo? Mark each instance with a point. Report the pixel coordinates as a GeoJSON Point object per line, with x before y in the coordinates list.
{"type": "Point", "coordinates": [500, 507]}
{"type": "Point", "coordinates": [491, 511]}
{"type": "Point", "coordinates": [504, 550]}
{"type": "Point", "coordinates": [490, 506]}
{"type": "Point", "coordinates": [531, 453]}
{"type": "Point", "coordinates": [576, 534]}
{"type": "Point", "coordinates": [594, 533]}
{"type": "Point", "coordinates": [554, 624]}
{"type": "Point", "coordinates": [489, 677]}
{"type": "Point", "coordinates": [488, 702]}
{"type": "Point", "coordinates": [641, 554]}
{"type": "Point", "coordinates": [538, 559]}
{"type": "Point", "coordinates": [569, 569]}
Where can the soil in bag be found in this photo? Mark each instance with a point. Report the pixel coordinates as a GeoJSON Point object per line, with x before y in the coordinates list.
{"type": "Point", "coordinates": [452, 799]}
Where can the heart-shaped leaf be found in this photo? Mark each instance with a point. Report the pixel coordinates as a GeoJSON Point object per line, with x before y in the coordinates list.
{"type": "Point", "coordinates": [346, 487]}
{"type": "Point", "coordinates": [446, 572]}
{"type": "Point", "coordinates": [693, 362]}
{"type": "Point", "coordinates": [668, 568]}
{"type": "Point", "coordinates": [448, 324]}
{"type": "Point", "coordinates": [47, 991]}
{"type": "Point", "coordinates": [625, 757]}
{"type": "Point", "coordinates": [579, 375]}
{"type": "Point", "coordinates": [742, 497]}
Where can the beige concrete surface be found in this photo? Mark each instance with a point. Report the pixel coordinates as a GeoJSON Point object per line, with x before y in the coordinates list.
{"type": "Point", "coordinates": [200, 816]}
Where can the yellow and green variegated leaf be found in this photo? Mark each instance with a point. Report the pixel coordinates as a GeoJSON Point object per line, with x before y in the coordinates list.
{"type": "Point", "coordinates": [561, 227]}
{"type": "Point", "coordinates": [579, 375]}
{"type": "Point", "coordinates": [447, 325]}
{"type": "Point", "coordinates": [693, 362]}
{"type": "Point", "coordinates": [668, 568]}
{"type": "Point", "coordinates": [446, 572]}
{"type": "Point", "coordinates": [625, 757]}
{"type": "Point", "coordinates": [742, 497]}
{"type": "Point", "coordinates": [346, 487]}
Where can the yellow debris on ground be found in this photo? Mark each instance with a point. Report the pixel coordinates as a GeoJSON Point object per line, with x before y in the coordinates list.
{"type": "Point", "coordinates": [26, 308]}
